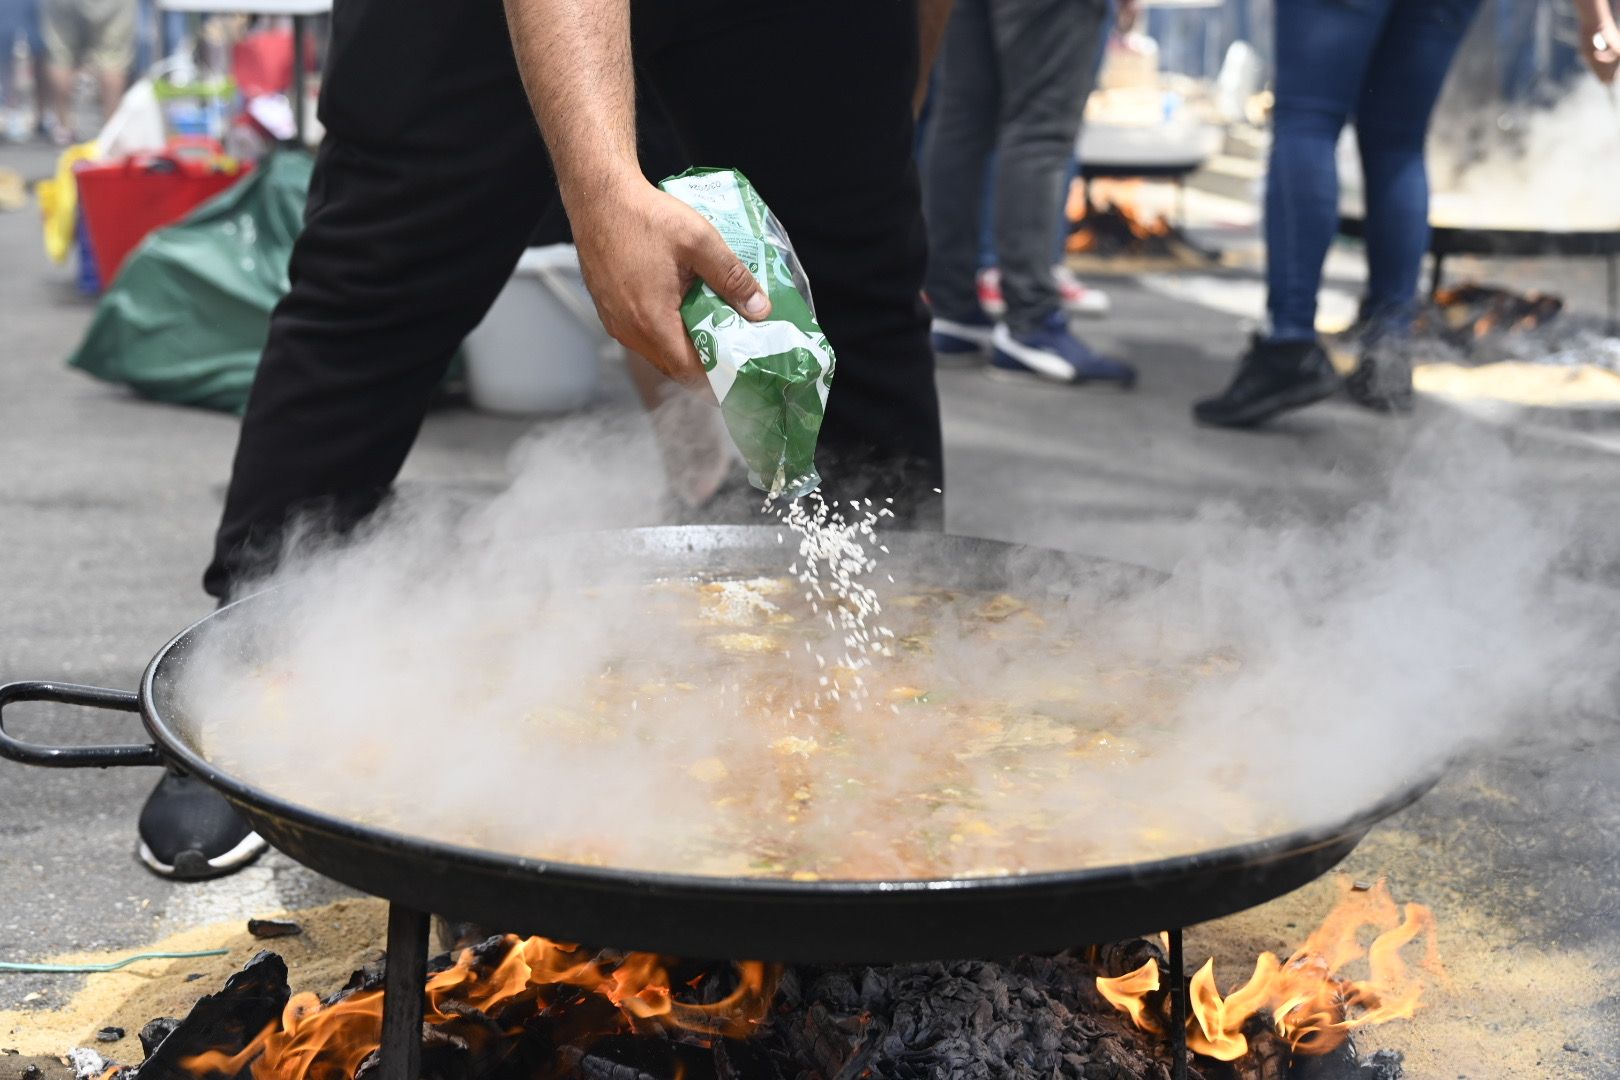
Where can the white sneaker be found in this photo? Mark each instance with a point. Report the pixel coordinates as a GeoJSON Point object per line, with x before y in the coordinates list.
{"type": "Point", "coordinates": [1079, 298]}
{"type": "Point", "coordinates": [18, 128]}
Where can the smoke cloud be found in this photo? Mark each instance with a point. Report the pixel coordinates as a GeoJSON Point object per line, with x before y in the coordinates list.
{"type": "Point", "coordinates": [477, 678]}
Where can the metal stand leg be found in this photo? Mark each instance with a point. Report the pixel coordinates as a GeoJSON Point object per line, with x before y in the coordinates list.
{"type": "Point", "coordinates": [401, 1050]}
{"type": "Point", "coordinates": [1614, 295]}
{"type": "Point", "coordinates": [1178, 1007]}
{"type": "Point", "coordinates": [1437, 266]}
{"type": "Point", "coordinates": [299, 62]}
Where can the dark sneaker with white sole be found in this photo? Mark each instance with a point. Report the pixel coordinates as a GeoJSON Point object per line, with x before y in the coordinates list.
{"type": "Point", "coordinates": [1051, 352]}
{"type": "Point", "coordinates": [1382, 380]}
{"type": "Point", "coordinates": [962, 339]}
{"type": "Point", "coordinates": [190, 833]}
{"type": "Point", "coordinates": [1273, 377]}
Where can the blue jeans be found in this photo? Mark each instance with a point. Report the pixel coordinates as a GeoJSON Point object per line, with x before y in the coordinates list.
{"type": "Point", "coordinates": [1382, 62]}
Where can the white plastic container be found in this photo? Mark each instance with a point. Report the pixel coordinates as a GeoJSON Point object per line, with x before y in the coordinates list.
{"type": "Point", "coordinates": [539, 349]}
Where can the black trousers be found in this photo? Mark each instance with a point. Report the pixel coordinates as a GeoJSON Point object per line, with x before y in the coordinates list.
{"type": "Point", "coordinates": [432, 178]}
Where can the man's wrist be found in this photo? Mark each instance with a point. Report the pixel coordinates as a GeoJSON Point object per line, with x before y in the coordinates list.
{"type": "Point", "coordinates": [588, 189]}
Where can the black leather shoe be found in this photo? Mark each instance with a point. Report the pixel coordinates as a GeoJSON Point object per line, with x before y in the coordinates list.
{"type": "Point", "coordinates": [1382, 380]}
{"type": "Point", "coordinates": [189, 832]}
{"type": "Point", "coordinates": [1272, 377]}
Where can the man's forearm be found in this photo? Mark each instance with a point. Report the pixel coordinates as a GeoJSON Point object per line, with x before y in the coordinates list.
{"type": "Point", "coordinates": [932, 15]}
{"type": "Point", "coordinates": [574, 56]}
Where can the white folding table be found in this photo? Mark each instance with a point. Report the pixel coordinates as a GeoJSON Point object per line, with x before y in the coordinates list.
{"type": "Point", "coordinates": [299, 10]}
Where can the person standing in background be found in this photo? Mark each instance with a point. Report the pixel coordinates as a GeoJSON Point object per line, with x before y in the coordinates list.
{"type": "Point", "coordinates": [94, 34]}
{"type": "Point", "coordinates": [1014, 78]}
{"type": "Point", "coordinates": [19, 19]}
{"type": "Point", "coordinates": [1382, 62]}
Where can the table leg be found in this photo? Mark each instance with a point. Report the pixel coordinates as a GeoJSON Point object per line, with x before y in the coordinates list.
{"type": "Point", "coordinates": [403, 994]}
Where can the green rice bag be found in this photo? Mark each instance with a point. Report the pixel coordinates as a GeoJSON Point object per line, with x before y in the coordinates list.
{"type": "Point", "coordinates": [772, 377]}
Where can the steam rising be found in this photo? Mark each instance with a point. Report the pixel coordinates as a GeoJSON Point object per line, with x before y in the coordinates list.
{"type": "Point", "coordinates": [1546, 168]}
{"type": "Point", "coordinates": [435, 675]}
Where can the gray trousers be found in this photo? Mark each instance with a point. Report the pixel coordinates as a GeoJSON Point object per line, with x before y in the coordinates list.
{"type": "Point", "coordinates": [1014, 76]}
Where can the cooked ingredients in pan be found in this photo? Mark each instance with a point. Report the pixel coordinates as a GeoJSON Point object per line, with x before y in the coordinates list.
{"type": "Point", "coordinates": [721, 727]}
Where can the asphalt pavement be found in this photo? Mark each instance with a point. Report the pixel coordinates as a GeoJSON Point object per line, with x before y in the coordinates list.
{"type": "Point", "coordinates": [108, 504]}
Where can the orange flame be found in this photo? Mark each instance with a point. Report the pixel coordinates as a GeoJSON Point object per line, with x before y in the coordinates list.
{"type": "Point", "coordinates": [1311, 1003]}
{"type": "Point", "coordinates": [312, 1041]}
{"type": "Point", "coordinates": [1129, 993]}
{"type": "Point", "coordinates": [1121, 199]}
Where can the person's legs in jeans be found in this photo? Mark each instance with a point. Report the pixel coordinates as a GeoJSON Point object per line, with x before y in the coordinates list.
{"type": "Point", "coordinates": [1045, 50]}
{"type": "Point", "coordinates": [1324, 48]}
{"type": "Point", "coordinates": [1403, 83]}
{"type": "Point", "coordinates": [12, 15]}
{"type": "Point", "coordinates": [856, 225]}
{"type": "Point", "coordinates": [962, 132]}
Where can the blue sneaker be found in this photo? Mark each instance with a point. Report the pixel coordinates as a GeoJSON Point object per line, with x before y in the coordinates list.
{"type": "Point", "coordinates": [963, 338]}
{"type": "Point", "coordinates": [1053, 353]}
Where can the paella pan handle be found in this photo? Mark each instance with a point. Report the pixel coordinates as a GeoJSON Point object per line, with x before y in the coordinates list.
{"type": "Point", "coordinates": [72, 757]}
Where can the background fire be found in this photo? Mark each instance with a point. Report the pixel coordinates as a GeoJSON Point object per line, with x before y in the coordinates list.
{"type": "Point", "coordinates": [1309, 999]}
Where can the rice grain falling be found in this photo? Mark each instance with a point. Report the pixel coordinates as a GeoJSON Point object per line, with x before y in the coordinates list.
{"type": "Point", "coordinates": [834, 558]}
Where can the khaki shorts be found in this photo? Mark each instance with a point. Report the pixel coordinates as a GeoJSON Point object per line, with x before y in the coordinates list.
{"type": "Point", "coordinates": [98, 34]}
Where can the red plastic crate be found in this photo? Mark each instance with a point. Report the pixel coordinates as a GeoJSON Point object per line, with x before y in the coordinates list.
{"type": "Point", "coordinates": [122, 201]}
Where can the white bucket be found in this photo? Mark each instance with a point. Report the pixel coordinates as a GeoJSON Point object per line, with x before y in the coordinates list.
{"type": "Point", "coordinates": [539, 349]}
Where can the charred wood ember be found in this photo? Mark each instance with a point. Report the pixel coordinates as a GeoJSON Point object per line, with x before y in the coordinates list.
{"type": "Point", "coordinates": [273, 928]}
{"type": "Point", "coordinates": [154, 1032]}
{"type": "Point", "coordinates": [1344, 1063]}
{"type": "Point", "coordinates": [227, 1021]}
{"type": "Point", "coordinates": [1117, 958]}
{"type": "Point", "coordinates": [1035, 1017]}
{"type": "Point", "coordinates": [1269, 1056]}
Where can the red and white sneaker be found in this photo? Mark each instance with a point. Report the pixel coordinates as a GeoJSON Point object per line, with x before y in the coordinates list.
{"type": "Point", "coordinates": [1078, 298]}
{"type": "Point", "coordinates": [990, 298]}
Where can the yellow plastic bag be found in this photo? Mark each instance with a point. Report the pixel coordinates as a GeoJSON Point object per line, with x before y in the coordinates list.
{"type": "Point", "coordinates": [59, 201]}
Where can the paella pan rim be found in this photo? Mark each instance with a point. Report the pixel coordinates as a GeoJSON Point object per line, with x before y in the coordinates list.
{"type": "Point", "coordinates": [1299, 843]}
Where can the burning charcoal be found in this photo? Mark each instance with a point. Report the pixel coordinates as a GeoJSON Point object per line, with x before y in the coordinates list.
{"type": "Point", "coordinates": [1268, 1057]}
{"type": "Point", "coordinates": [155, 1031]}
{"type": "Point", "coordinates": [1344, 1063]}
{"type": "Point", "coordinates": [274, 928]}
{"type": "Point", "coordinates": [226, 1021]}
{"type": "Point", "coordinates": [628, 1058]}
{"type": "Point", "coordinates": [738, 1059]}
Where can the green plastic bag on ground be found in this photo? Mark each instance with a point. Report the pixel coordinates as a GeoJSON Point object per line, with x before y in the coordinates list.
{"type": "Point", "coordinates": [771, 377]}
{"type": "Point", "coordinates": [187, 316]}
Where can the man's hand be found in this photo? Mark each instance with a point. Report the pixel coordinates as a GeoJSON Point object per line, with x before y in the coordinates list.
{"type": "Point", "coordinates": [641, 250]}
{"type": "Point", "coordinates": [1601, 51]}
{"type": "Point", "coordinates": [1599, 38]}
